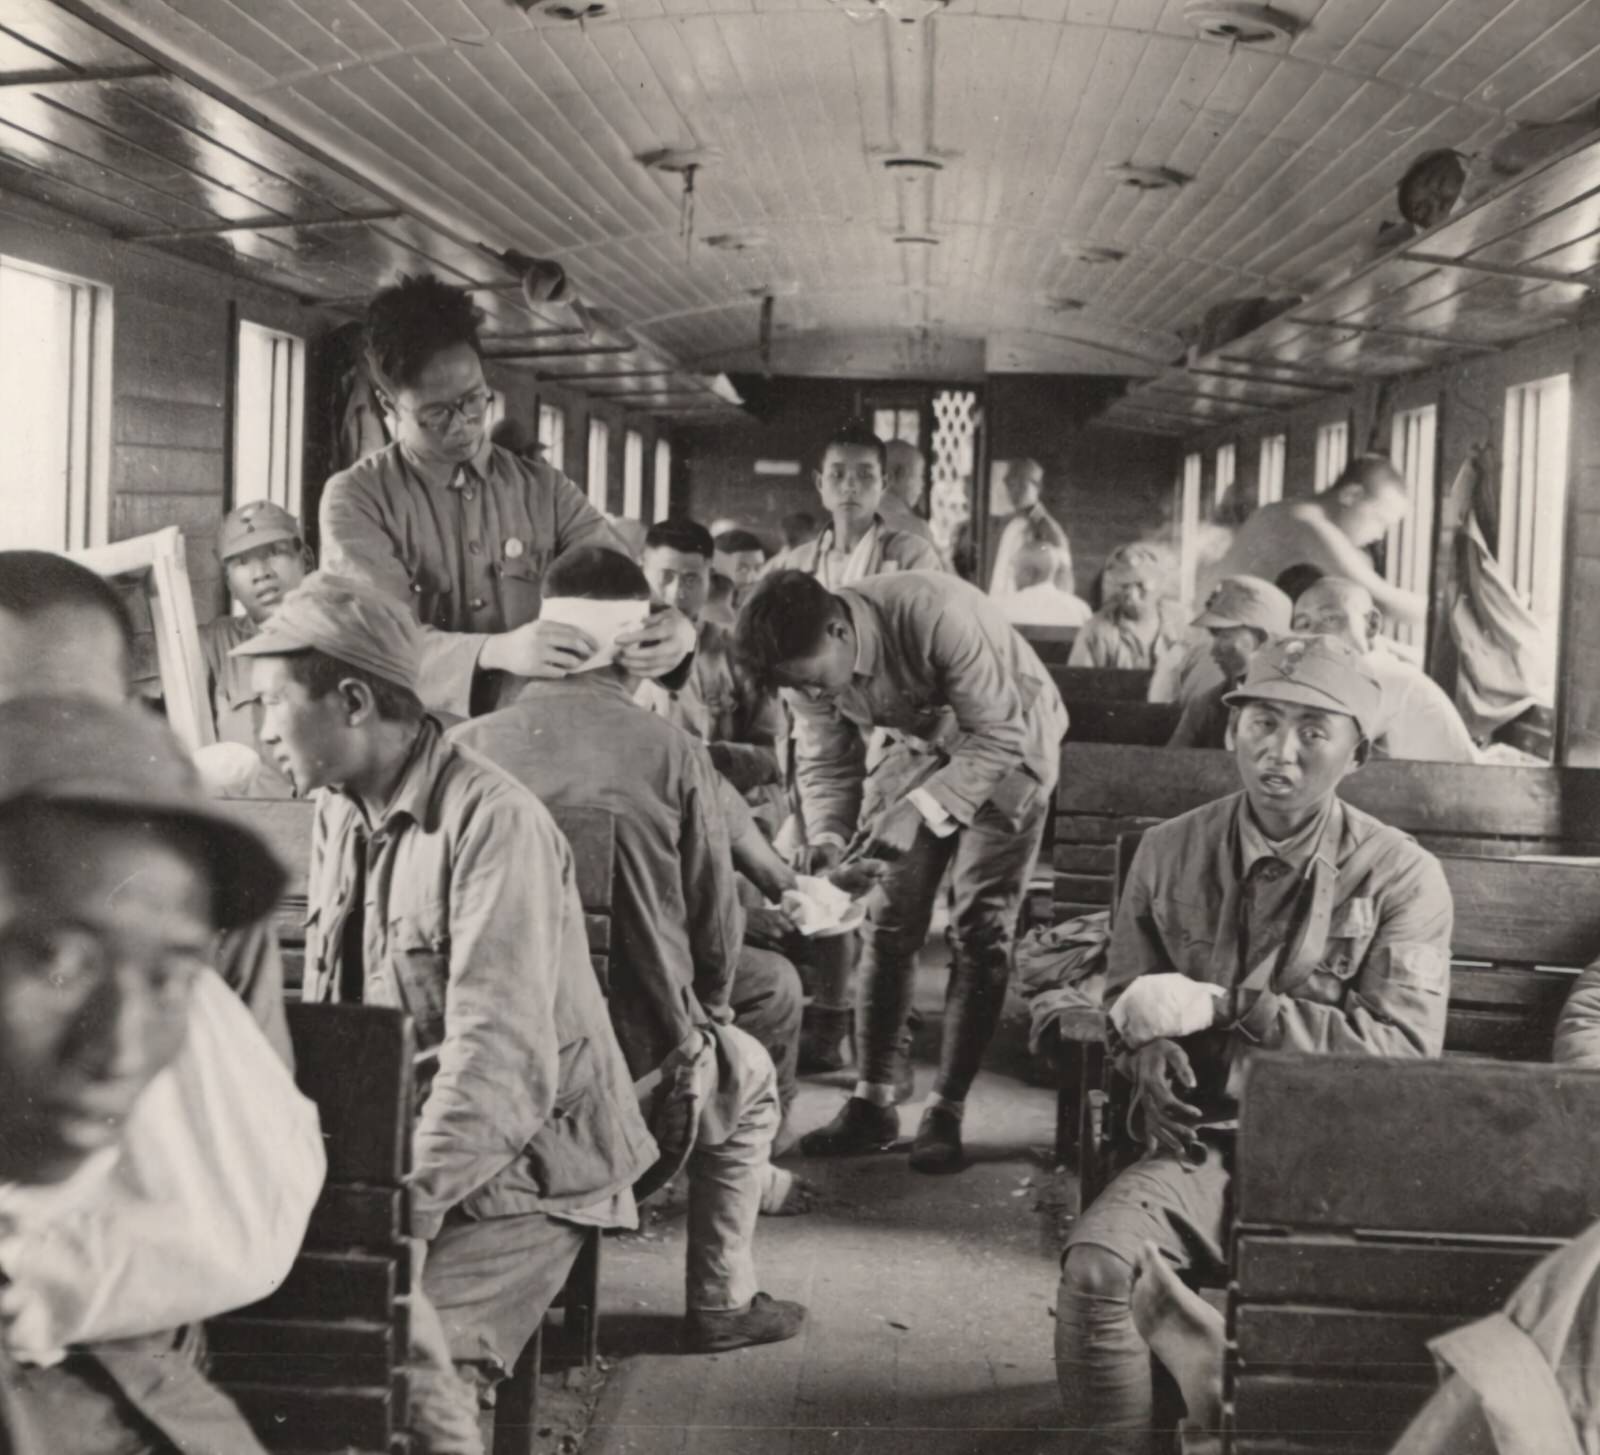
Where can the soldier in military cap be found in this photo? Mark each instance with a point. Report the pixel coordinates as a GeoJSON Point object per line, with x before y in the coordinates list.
{"type": "Point", "coordinates": [439, 885]}
{"type": "Point", "coordinates": [1278, 917]}
{"type": "Point", "coordinates": [1138, 622]}
{"type": "Point", "coordinates": [265, 557]}
{"type": "Point", "coordinates": [1241, 613]}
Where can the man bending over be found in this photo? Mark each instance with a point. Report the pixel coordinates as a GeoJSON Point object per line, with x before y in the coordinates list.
{"type": "Point", "coordinates": [962, 696]}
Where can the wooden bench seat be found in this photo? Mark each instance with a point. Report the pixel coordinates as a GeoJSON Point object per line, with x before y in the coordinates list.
{"type": "Point", "coordinates": [1376, 1205]}
{"type": "Point", "coordinates": [1523, 930]}
{"type": "Point", "coordinates": [1108, 789]}
{"type": "Point", "coordinates": [1052, 643]}
{"type": "Point", "coordinates": [1117, 720]}
{"type": "Point", "coordinates": [1105, 684]}
{"type": "Point", "coordinates": [319, 1365]}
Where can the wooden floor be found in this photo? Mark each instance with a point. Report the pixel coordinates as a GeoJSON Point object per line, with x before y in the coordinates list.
{"type": "Point", "coordinates": [930, 1298]}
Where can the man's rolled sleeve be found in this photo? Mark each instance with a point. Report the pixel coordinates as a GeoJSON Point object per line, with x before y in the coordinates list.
{"type": "Point", "coordinates": [499, 1060]}
{"type": "Point", "coordinates": [1399, 998]}
{"type": "Point", "coordinates": [989, 711]}
{"type": "Point", "coordinates": [830, 768]}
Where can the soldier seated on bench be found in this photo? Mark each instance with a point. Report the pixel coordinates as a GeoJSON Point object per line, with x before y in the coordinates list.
{"type": "Point", "coordinates": [157, 1165]}
{"type": "Point", "coordinates": [1138, 624]}
{"type": "Point", "coordinates": [1242, 614]}
{"type": "Point", "coordinates": [440, 886]}
{"type": "Point", "coordinates": [1519, 1382]}
{"type": "Point", "coordinates": [1278, 917]}
{"type": "Point", "coordinates": [584, 742]}
{"type": "Point", "coordinates": [1417, 719]}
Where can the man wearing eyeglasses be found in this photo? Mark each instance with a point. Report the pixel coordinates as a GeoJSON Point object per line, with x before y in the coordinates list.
{"type": "Point", "coordinates": [463, 529]}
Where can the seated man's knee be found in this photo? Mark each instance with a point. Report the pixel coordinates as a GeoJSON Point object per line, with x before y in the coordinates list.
{"type": "Point", "coordinates": [1089, 1271]}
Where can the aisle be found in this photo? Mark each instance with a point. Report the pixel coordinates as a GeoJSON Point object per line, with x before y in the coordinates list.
{"type": "Point", "coordinates": [930, 1298]}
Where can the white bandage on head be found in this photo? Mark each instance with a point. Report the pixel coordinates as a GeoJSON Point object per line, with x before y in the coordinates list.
{"type": "Point", "coordinates": [602, 620]}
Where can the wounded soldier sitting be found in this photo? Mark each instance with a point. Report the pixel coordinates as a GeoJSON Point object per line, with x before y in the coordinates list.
{"type": "Point", "coordinates": [1278, 917]}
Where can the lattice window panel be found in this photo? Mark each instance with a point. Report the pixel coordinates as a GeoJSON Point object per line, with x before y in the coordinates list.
{"type": "Point", "coordinates": [955, 440]}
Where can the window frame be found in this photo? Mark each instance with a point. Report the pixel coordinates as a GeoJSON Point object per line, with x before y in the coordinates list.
{"type": "Point", "coordinates": [1539, 576]}
{"type": "Point", "coordinates": [633, 474]}
{"type": "Point", "coordinates": [1225, 473]}
{"type": "Point", "coordinates": [554, 440]}
{"type": "Point", "coordinates": [292, 496]}
{"type": "Point", "coordinates": [1190, 472]}
{"type": "Point", "coordinates": [1272, 466]}
{"type": "Point", "coordinates": [661, 491]}
{"type": "Point", "coordinates": [597, 463]}
{"type": "Point", "coordinates": [1326, 470]}
{"type": "Point", "coordinates": [1409, 553]}
{"type": "Point", "coordinates": [87, 506]}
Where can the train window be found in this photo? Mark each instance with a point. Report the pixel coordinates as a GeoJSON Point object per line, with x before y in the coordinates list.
{"type": "Point", "coordinates": [269, 407]}
{"type": "Point", "coordinates": [898, 424]}
{"type": "Point", "coordinates": [599, 461]}
{"type": "Point", "coordinates": [1227, 468]}
{"type": "Point", "coordinates": [1270, 468]}
{"type": "Point", "coordinates": [54, 407]}
{"type": "Point", "coordinates": [1333, 453]}
{"type": "Point", "coordinates": [1533, 496]}
{"type": "Point", "coordinates": [633, 475]}
{"type": "Point", "coordinates": [553, 434]}
{"type": "Point", "coordinates": [1408, 559]}
{"type": "Point", "coordinates": [663, 480]}
{"type": "Point", "coordinates": [1189, 525]}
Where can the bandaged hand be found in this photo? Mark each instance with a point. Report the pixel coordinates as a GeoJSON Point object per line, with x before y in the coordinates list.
{"type": "Point", "coordinates": [1169, 1006]}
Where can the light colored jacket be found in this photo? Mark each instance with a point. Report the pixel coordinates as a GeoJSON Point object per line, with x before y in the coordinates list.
{"type": "Point", "coordinates": [473, 926]}
{"type": "Point", "coordinates": [892, 550]}
{"type": "Point", "coordinates": [936, 662]}
{"type": "Point", "coordinates": [468, 546]}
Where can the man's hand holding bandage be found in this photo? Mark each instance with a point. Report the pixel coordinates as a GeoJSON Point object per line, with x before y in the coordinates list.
{"type": "Point", "coordinates": [1164, 1007]}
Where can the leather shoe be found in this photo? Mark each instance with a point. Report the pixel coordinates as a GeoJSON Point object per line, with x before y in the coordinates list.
{"type": "Point", "coordinates": [937, 1147]}
{"type": "Point", "coordinates": [861, 1126]}
{"type": "Point", "coordinates": [767, 1320]}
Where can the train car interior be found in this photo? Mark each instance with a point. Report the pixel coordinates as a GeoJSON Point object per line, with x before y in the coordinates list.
{"type": "Point", "coordinates": [1033, 555]}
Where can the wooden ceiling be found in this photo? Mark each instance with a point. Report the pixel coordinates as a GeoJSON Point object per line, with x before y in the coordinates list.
{"type": "Point", "coordinates": [483, 124]}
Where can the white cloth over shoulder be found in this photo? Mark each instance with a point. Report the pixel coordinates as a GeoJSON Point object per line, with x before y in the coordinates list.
{"type": "Point", "coordinates": [1164, 1006]}
{"type": "Point", "coordinates": [602, 620]}
{"type": "Point", "coordinates": [199, 1210]}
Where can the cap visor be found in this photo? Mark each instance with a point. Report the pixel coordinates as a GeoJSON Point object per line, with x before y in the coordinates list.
{"type": "Point", "coordinates": [257, 539]}
{"type": "Point", "coordinates": [1296, 692]}
{"type": "Point", "coordinates": [247, 878]}
{"type": "Point", "coordinates": [1213, 618]}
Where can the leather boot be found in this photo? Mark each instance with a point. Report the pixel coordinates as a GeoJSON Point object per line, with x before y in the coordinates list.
{"type": "Point", "coordinates": [861, 1126]}
{"type": "Point", "coordinates": [767, 1320]}
{"type": "Point", "coordinates": [824, 1032]}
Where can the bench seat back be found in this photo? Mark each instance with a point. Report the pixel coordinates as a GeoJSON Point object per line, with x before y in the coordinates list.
{"type": "Point", "coordinates": [319, 1364]}
{"type": "Point", "coordinates": [1108, 789]}
{"type": "Point", "coordinates": [1378, 1203]}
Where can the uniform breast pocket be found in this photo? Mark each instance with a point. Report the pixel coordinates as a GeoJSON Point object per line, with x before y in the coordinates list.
{"type": "Point", "coordinates": [521, 578]}
{"type": "Point", "coordinates": [419, 952]}
{"type": "Point", "coordinates": [1187, 930]}
{"type": "Point", "coordinates": [433, 595]}
{"type": "Point", "coordinates": [1349, 937]}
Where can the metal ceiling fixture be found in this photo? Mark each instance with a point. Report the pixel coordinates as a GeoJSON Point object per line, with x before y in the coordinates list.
{"type": "Point", "coordinates": [912, 164]}
{"type": "Point", "coordinates": [579, 10]}
{"type": "Point", "coordinates": [1239, 22]}
{"type": "Point", "coordinates": [1061, 303]}
{"type": "Point", "coordinates": [1087, 252]}
{"type": "Point", "coordinates": [685, 162]}
{"type": "Point", "coordinates": [907, 12]}
{"type": "Point", "coordinates": [738, 240]}
{"type": "Point", "coordinates": [1146, 179]}
{"type": "Point", "coordinates": [916, 239]}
